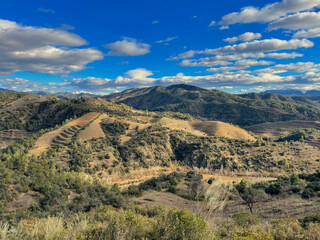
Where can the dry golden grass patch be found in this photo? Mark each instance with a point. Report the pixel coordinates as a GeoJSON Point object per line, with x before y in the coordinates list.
{"type": "Point", "coordinates": [94, 130]}
{"type": "Point", "coordinates": [275, 129]}
{"type": "Point", "coordinates": [237, 179]}
{"type": "Point", "coordinates": [206, 128]}
{"type": "Point", "coordinates": [137, 176]}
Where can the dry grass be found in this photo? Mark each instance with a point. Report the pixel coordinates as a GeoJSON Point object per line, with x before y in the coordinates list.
{"type": "Point", "coordinates": [273, 208]}
{"type": "Point", "coordinates": [43, 143]}
{"type": "Point", "coordinates": [202, 129]}
{"type": "Point", "coordinates": [137, 176]}
{"type": "Point", "coordinates": [221, 129]}
{"type": "Point", "coordinates": [276, 129]}
{"type": "Point", "coordinates": [94, 130]}
{"type": "Point", "coordinates": [236, 179]}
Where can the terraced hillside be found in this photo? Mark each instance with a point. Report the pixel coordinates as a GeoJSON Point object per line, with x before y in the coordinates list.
{"type": "Point", "coordinates": [61, 135]}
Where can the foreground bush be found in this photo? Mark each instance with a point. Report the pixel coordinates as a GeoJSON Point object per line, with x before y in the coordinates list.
{"type": "Point", "coordinates": [108, 223]}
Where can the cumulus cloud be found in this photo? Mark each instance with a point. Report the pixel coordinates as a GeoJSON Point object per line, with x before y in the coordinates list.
{"type": "Point", "coordinates": [299, 67]}
{"type": "Point", "coordinates": [252, 62]}
{"type": "Point", "coordinates": [238, 78]}
{"type": "Point", "coordinates": [90, 83]}
{"type": "Point", "coordinates": [132, 78]}
{"type": "Point", "coordinates": [304, 20]}
{"type": "Point", "coordinates": [273, 55]}
{"type": "Point", "coordinates": [24, 85]}
{"type": "Point", "coordinates": [128, 47]}
{"type": "Point", "coordinates": [42, 50]}
{"type": "Point", "coordinates": [241, 64]}
{"type": "Point", "coordinates": [139, 76]}
{"type": "Point", "coordinates": [225, 69]}
{"type": "Point", "coordinates": [245, 37]}
{"type": "Point", "coordinates": [266, 45]}
{"type": "Point", "coordinates": [203, 62]}
{"type": "Point", "coordinates": [269, 12]}
{"type": "Point", "coordinates": [257, 46]}
{"type": "Point", "coordinates": [304, 74]}
{"type": "Point", "coordinates": [310, 33]}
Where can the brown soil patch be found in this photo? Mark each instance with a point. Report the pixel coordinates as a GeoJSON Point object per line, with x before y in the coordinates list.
{"type": "Point", "coordinates": [24, 200]}
{"type": "Point", "coordinates": [43, 143]}
{"type": "Point", "coordinates": [153, 198]}
{"type": "Point", "coordinates": [94, 130]}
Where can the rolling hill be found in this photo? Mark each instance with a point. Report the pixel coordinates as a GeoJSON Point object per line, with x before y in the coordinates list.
{"type": "Point", "coordinates": [63, 160]}
{"type": "Point", "coordinates": [242, 110]}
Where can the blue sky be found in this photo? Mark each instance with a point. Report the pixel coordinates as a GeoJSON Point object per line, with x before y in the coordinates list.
{"type": "Point", "coordinates": [108, 46]}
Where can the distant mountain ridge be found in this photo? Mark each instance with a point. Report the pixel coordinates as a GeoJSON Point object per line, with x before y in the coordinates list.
{"type": "Point", "coordinates": [58, 94]}
{"type": "Point", "coordinates": [294, 92]}
{"type": "Point", "coordinates": [243, 110]}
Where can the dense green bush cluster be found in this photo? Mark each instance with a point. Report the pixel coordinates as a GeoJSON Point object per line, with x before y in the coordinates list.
{"type": "Point", "coordinates": [49, 186]}
{"type": "Point", "coordinates": [114, 128]}
{"type": "Point", "coordinates": [304, 185]}
{"type": "Point", "coordinates": [299, 135]}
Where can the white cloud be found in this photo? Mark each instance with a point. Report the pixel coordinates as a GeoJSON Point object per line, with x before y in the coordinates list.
{"type": "Point", "coordinates": [139, 76]}
{"type": "Point", "coordinates": [212, 23]}
{"type": "Point", "coordinates": [42, 50]}
{"type": "Point", "coordinates": [238, 78]}
{"type": "Point", "coordinates": [187, 54]}
{"type": "Point", "coordinates": [90, 83]}
{"type": "Point", "coordinates": [245, 37]}
{"type": "Point", "coordinates": [233, 57]}
{"type": "Point", "coordinates": [169, 39]}
{"type": "Point", "coordinates": [252, 62]}
{"type": "Point", "coordinates": [310, 33]}
{"type": "Point", "coordinates": [304, 20]}
{"type": "Point", "coordinates": [225, 69]}
{"type": "Point", "coordinates": [128, 47]}
{"type": "Point", "coordinates": [155, 22]}
{"type": "Point", "coordinates": [299, 67]}
{"type": "Point", "coordinates": [266, 45]}
{"type": "Point", "coordinates": [203, 62]}
{"type": "Point", "coordinates": [224, 27]}
{"type": "Point", "coordinates": [254, 47]}
{"type": "Point", "coordinates": [241, 64]}
{"type": "Point", "coordinates": [269, 12]}
{"type": "Point", "coordinates": [283, 55]}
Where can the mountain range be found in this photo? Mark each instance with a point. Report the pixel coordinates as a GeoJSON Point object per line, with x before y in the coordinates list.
{"type": "Point", "coordinates": [242, 110]}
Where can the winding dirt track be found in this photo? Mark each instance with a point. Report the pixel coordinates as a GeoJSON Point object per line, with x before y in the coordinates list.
{"type": "Point", "coordinates": [43, 143]}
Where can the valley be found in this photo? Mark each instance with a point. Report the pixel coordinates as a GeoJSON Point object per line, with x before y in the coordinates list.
{"type": "Point", "coordinates": [74, 156]}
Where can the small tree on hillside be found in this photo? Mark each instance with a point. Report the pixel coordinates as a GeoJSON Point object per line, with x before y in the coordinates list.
{"type": "Point", "coordinates": [250, 195]}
